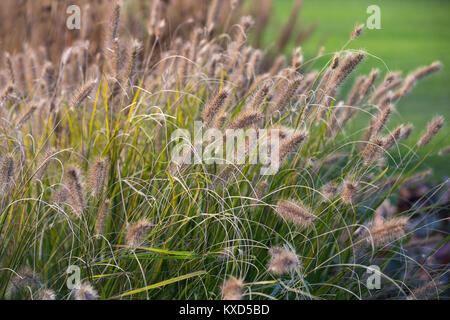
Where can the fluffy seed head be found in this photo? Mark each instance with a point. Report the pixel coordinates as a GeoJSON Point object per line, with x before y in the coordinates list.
{"type": "Point", "coordinates": [307, 82]}
{"type": "Point", "coordinates": [61, 195]}
{"type": "Point", "coordinates": [391, 81]}
{"type": "Point", "coordinates": [26, 116]}
{"type": "Point", "coordinates": [330, 191]}
{"type": "Point", "coordinates": [348, 191]}
{"type": "Point", "coordinates": [45, 294]}
{"type": "Point", "coordinates": [425, 71]}
{"type": "Point", "coordinates": [259, 97]}
{"type": "Point", "coordinates": [365, 87]}
{"type": "Point", "coordinates": [130, 75]}
{"type": "Point", "coordinates": [246, 22]}
{"type": "Point", "coordinates": [290, 144]}
{"type": "Point", "coordinates": [297, 58]}
{"type": "Point", "coordinates": [214, 107]}
{"type": "Point", "coordinates": [85, 292]}
{"type": "Point", "coordinates": [253, 64]}
{"type": "Point", "coordinates": [295, 213]}
{"type": "Point", "coordinates": [97, 177]}
{"type": "Point", "coordinates": [286, 94]}
{"type": "Point", "coordinates": [282, 261]}
{"type": "Point", "coordinates": [76, 191]}
{"type": "Point", "coordinates": [357, 32]}
{"type": "Point", "coordinates": [415, 76]}
{"type": "Point", "coordinates": [392, 138]}
{"type": "Point", "coordinates": [346, 67]}
{"type": "Point", "coordinates": [406, 131]}
{"type": "Point", "coordinates": [102, 218]}
{"type": "Point", "coordinates": [115, 18]}
{"type": "Point", "coordinates": [354, 94]}
{"type": "Point", "coordinates": [388, 231]}
{"type": "Point", "coordinates": [5, 94]}
{"type": "Point", "coordinates": [10, 68]}
{"type": "Point", "coordinates": [82, 94]}
{"type": "Point", "coordinates": [137, 233]}
{"type": "Point", "coordinates": [6, 172]}
{"type": "Point", "coordinates": [260, 191]}
{"type": "Point", "coordinates": [433, 128]}
{"type": "Point", "coordinates": [25, 278]}
{"type": "Point", "coordinates": [335, 61]}
{"type": "Point", "coordinates": [373, 150]}
{"type": "Point", "coordinates": [381, 120]}
{"type": "Point", "coordinates": [220, 121]}
{"type": "Point", "coordinates": [246, 119]}
{"type": "Point", "coordinates": [232, 289]}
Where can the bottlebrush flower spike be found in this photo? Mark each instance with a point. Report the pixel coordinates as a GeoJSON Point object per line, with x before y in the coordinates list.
{"type": "Point", "coordinates": [232, 289]}
{"type": "Point", "coordinates": [137, 232]}
{"type": "Point", "coordinates": [85, 292]}
{"type": "Point", "coordinates": [282, 261]}
{"type": "Point", "coordinates": [295, 213]}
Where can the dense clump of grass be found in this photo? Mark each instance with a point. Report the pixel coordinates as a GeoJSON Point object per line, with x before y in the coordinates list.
{"type": "Point", "coordinates": [147, 227]}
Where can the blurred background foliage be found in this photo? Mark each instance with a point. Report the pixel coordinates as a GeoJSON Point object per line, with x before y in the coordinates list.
{"type": "Point", "coordinates": [413, 33]}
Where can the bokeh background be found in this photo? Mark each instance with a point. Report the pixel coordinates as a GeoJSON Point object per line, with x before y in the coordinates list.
{"type": "Point", "coordinates": [413, 33]}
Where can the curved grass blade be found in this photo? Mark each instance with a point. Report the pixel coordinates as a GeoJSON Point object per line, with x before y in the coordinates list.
{"type": "Point", "coordinates": [162, 283]}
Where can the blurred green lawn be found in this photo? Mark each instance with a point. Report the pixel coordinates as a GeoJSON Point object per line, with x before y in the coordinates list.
{"type": "Point", "coordinates": [413, 33]}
